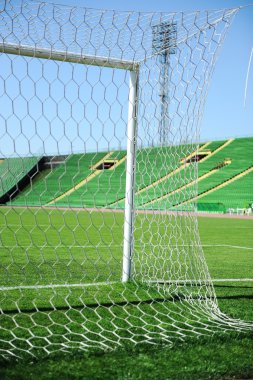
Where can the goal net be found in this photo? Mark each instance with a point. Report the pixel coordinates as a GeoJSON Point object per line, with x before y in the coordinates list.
{"type": "Point", "coordinates": [99, 122]}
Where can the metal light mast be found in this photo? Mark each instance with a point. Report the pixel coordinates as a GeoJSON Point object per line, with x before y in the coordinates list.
{"type": "Point", "coordinates": [164, 44]}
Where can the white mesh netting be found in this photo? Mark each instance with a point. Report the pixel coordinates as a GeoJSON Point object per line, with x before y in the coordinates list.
{"type": "Point", "coordinates": [99, 241]}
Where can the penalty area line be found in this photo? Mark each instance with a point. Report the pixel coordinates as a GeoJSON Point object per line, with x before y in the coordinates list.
{"type": "Point", "coordinates": [200, 281]}
{"type": "Point", "coordinates": [55, 247]}
{"type": "Point", "coordinates": [226, 246]}
{"type": "Point", "coordinates": [232, 280]}
{"type": "Point", "coordinates": [83, 285]}
{"type": "Point", "coordinates": [53, 286]}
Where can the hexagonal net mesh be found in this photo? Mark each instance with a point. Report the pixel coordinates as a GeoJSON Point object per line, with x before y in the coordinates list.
{"type": "Point", "coordinates": [98, 177]}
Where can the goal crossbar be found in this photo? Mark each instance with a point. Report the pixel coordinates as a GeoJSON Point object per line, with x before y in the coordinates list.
{"type": "Point", "coordinates": [66, 56]}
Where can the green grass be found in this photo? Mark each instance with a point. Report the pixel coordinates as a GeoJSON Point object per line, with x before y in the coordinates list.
{"type": "Point", "coordinates": [213, 359]}
{"type": "Point", "coordinates": [226, 243]}
{"type": "Point", "coordinates": [228, 247]}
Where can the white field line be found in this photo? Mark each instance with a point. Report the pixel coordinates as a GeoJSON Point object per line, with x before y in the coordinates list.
{"type": "Point", "coordinates": [232, 279]}
{"type": "Point", "coordinates": [116, 211]}
{"type": "Point", "coordinates": [227, 246]}
{"type": "Point", "coordinates": [64, 246]}
{"type": "Point", "coordinates": [201, 281]}
{"type": "Point", "coordinates": [82, 285]}
{"type": "Point", "coordinates": [120, 246]}
{"type": "Point", "coordinates": [52, 286]}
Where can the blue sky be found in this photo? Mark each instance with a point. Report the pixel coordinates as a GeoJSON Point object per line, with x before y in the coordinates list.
{"type": "Point", "coordinates": [41, 129]}
{"type": "Point", "coordinates": [225, 114]}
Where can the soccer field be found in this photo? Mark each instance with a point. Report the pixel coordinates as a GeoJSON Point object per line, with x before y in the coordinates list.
{"type": "Point", "coordinates": [108, 269]}
{"type": "Point", "coordinates": [228, 247]}
{"type": "Point", "coordinates": [41, 247]}
{"type": "Point", "coordinates": [74, 246]}
{"type": "Point", "coordinates": [53, 262]}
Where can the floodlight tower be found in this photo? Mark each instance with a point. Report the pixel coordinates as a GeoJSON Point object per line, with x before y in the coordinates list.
{"type": "Point", "coordinates": [164, 44]}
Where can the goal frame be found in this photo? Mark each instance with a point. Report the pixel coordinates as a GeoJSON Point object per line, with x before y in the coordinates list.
{"type": "Point", "coordinates": [133, 69]}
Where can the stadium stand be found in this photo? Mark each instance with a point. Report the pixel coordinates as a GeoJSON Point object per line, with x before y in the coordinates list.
{"type": "Point", "coordinates": [237, 153]}
{"type": "Point", "coordinates": [58, 180]}
{"type": "Point", "coordinates": [107, 188]}
{"type": "Point", "coordinates": [98, 180]}
{"type": "Point", "coordinates": [237, 194]}
{"type": "Point", "coordinates": [15, 173]}
{"type": "Point", "coordinates": [104, 187]}
{"type": "Point", "coordinates": [213, 145]}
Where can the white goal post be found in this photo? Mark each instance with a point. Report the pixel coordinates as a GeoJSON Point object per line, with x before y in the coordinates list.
{"type": "Point", "coordinates": [130, 175]}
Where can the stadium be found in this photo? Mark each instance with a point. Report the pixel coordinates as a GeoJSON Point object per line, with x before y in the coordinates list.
{"type": "Point", "coordinates": [98, 180]}
{"type": "Point", "coordinates": [126, 237]}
